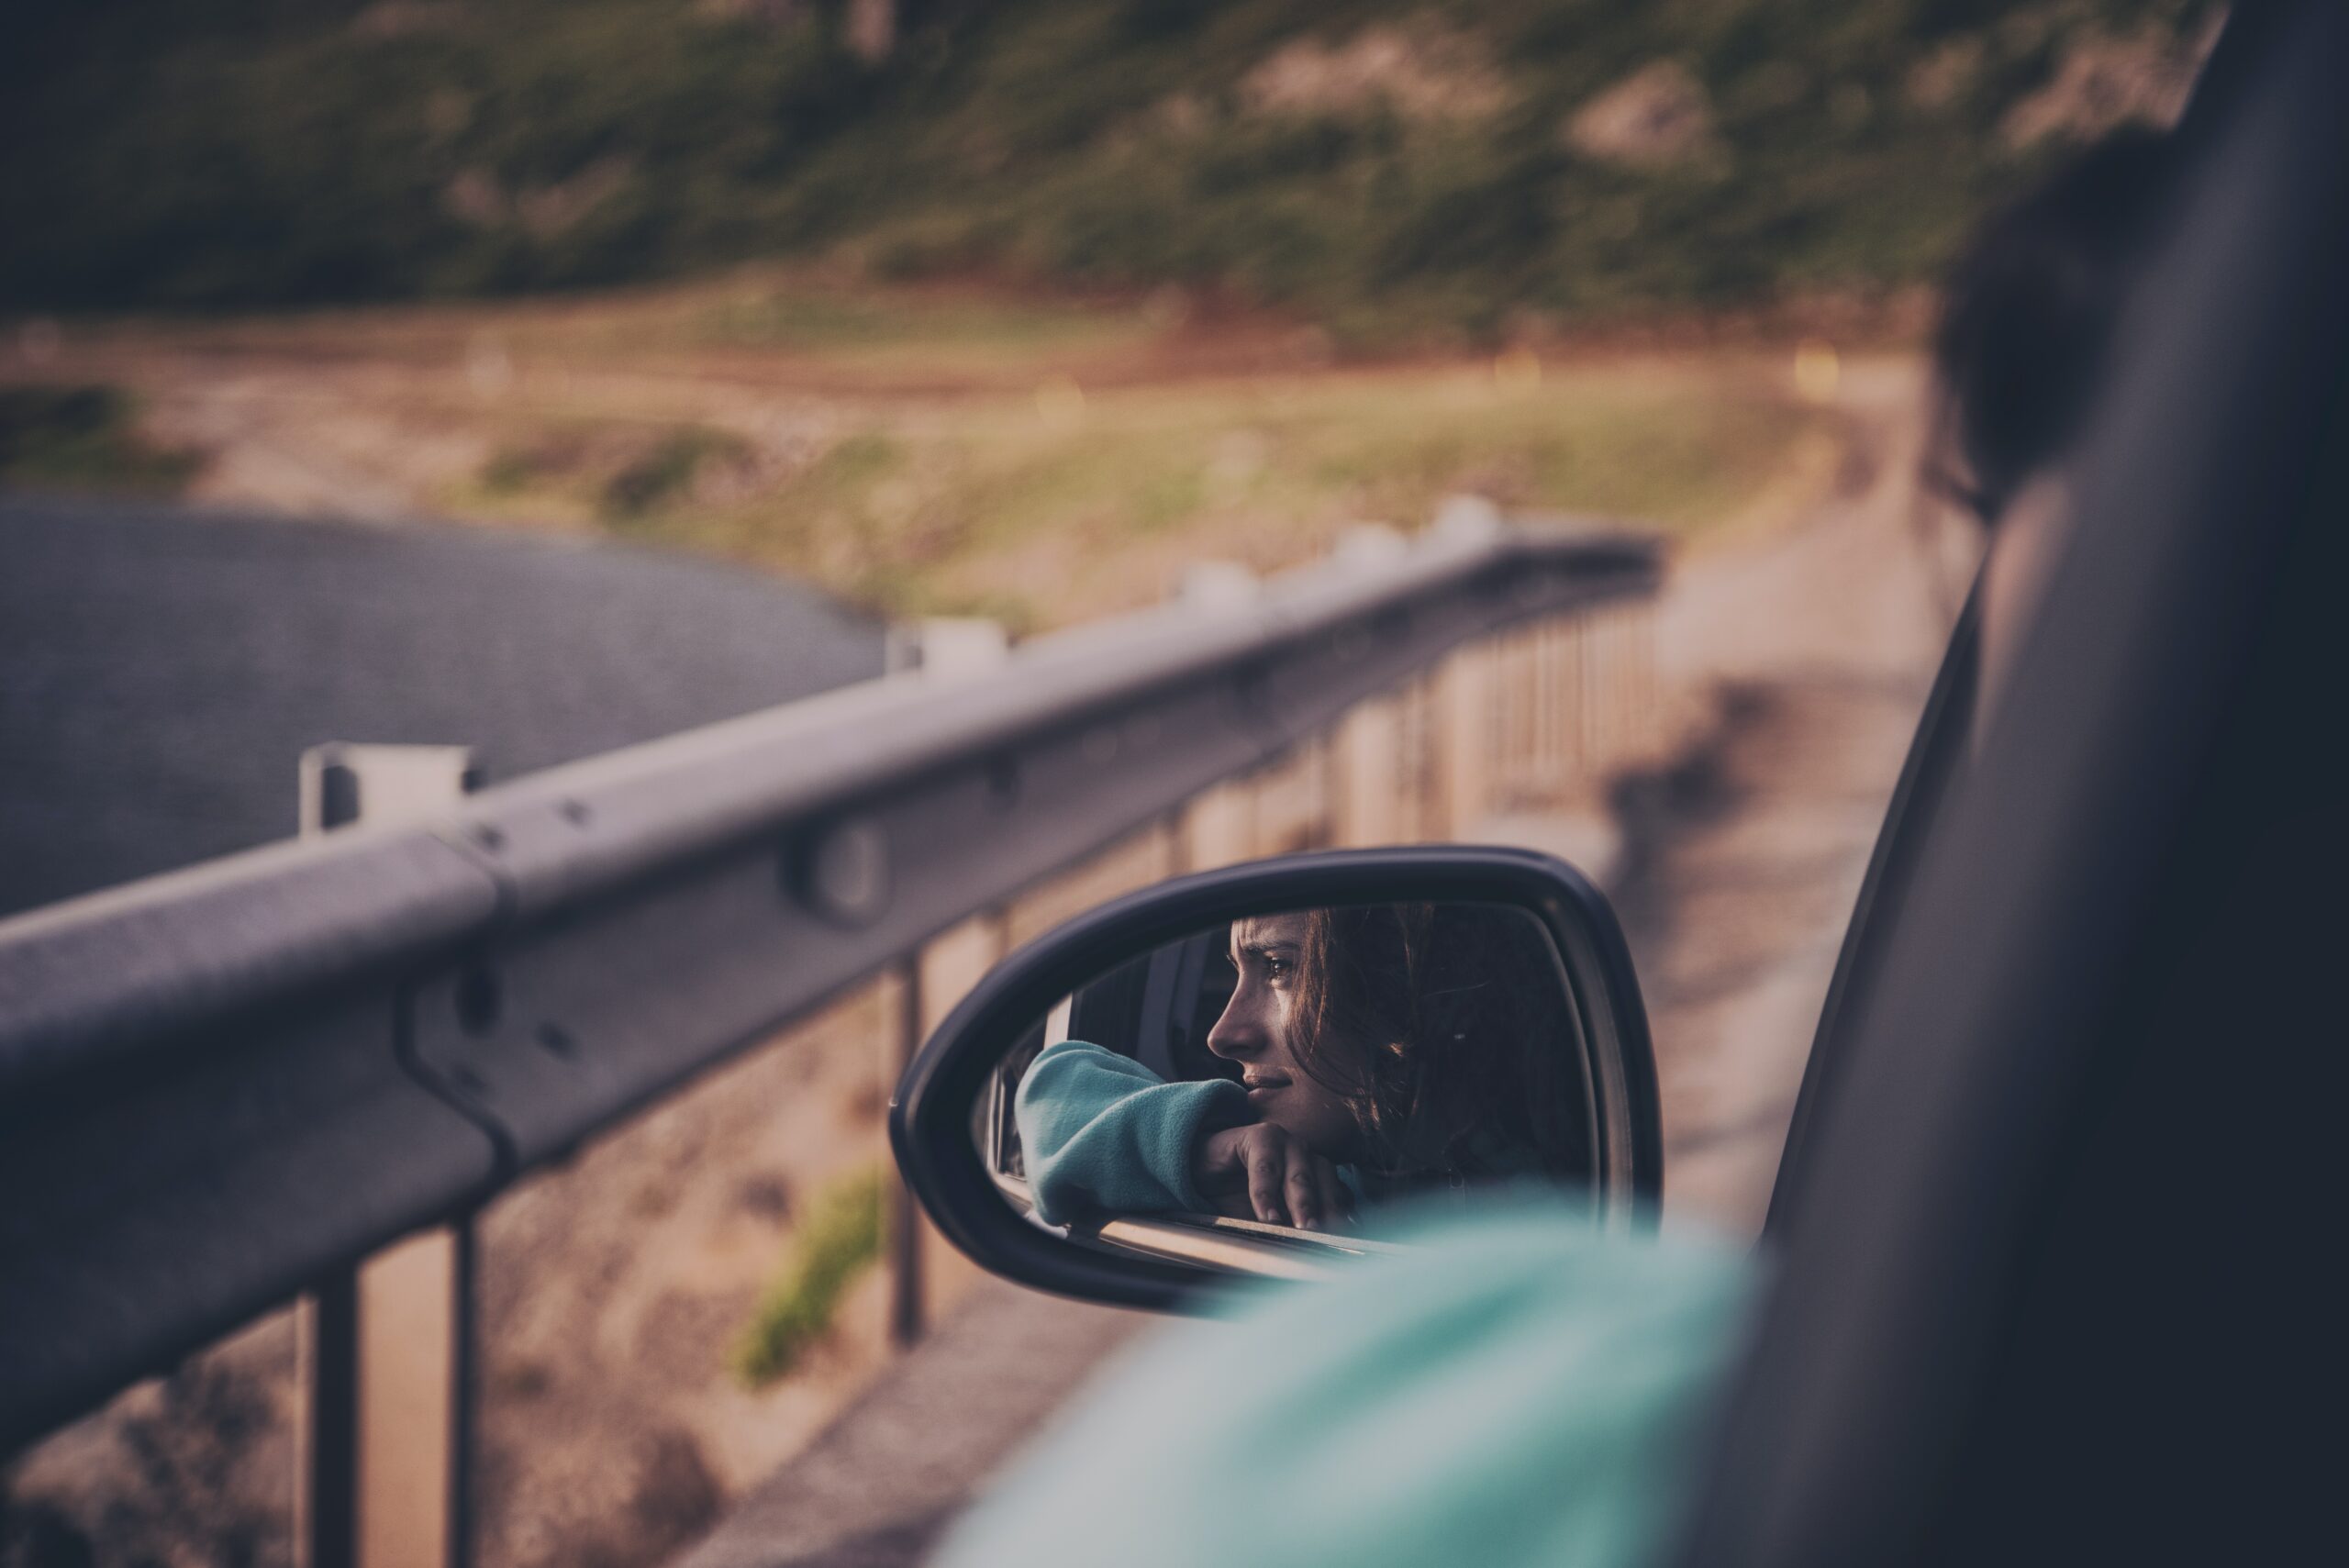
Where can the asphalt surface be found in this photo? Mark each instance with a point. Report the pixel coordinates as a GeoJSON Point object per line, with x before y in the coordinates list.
{"type": "Point", "coordinates": [162, 668]}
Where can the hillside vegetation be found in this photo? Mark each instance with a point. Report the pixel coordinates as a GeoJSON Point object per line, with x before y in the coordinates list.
{"type": "Point", "coordinates": [1374, 164]}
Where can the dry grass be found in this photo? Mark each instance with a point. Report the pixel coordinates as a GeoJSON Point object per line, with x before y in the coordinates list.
{"type": "Point", "coordinates": [944, 449]}
{"type": "Point", "coordinates": [1045, 465]}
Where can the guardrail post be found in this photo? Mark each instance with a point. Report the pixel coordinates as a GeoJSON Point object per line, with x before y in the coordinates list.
{"type": "Point", "coordinates": [386, 1347]}
{"type": "Point", "coordinates": [930, 981]}
{"type": "Point", "coordinates": [1598, 693]}
{"type": "Point", "coordinates": [1538, 774]}
{"type": "Point", "coordinates": [1462, 694]}
{"type": "Point", "coordinates": [1511, 710]}
{"type": "Point", "coordinates": [1293, 807]}
{"type": "Point", "coordinates": [945, 645]}
{"type": "Point", "coordinates": [929, 1272]}
{"type": "Point", "coordinates": [1619, 687]}
{"type": "Point", "coordinates": [1366, 759]}
{"type": "Point", "coordinates": [1584, 666]}
{"type": "Point", "coordinates": [1552, 704]}
{"type": "Point", "coordinates": [1647, 695]}
{"type": "Point", "coordinates": [1218, 826]}
{"type": "Point", "coordinates": [1415, 761]}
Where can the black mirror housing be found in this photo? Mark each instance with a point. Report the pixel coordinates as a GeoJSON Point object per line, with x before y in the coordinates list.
{"type": "Point", "coordinates": [938, 1101]}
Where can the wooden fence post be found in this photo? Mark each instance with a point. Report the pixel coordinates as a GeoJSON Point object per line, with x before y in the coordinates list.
{"type": "Point", "coordinates": [385, 1350]}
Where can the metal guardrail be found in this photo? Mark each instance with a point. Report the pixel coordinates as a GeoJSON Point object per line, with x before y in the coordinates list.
{"type": "Point", "coordinates": [219, 1085]}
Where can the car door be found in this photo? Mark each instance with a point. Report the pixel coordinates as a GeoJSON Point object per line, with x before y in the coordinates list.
{"type": "Point", "coordinates": [2055, 1243]}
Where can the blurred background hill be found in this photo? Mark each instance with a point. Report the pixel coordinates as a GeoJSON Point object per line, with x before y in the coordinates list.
{"type": "Point", "coordinates": [1384, 167]}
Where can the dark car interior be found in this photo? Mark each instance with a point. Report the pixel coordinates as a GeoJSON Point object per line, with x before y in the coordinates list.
{"type": "Point", "coordinates": [2052, 1275]}
{"type": "Point", "coordinates": [1159, 1008]}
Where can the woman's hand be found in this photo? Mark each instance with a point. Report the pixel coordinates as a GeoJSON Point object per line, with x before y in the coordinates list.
{"type": "Point", "coordinates": [1262, 1171]}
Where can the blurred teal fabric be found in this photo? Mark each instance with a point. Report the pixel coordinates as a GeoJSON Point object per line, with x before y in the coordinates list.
{"type": "Point", "coordinates": [1100, 1133]}
{"type": "Point", "coordinates": [1518, 1389]}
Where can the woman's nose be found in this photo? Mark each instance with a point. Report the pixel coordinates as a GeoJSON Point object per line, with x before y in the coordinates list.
{"type": "Point", "coordinates": [1234, 1035]}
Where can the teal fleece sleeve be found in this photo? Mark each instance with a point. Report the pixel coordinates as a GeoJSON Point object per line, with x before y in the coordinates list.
{"type": "Point", "coordinates": [1102, 1133]}
{"type": "Point", "coordinates": [1517, 1390]}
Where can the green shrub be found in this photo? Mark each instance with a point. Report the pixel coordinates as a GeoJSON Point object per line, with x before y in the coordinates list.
{"type": "Point", "coordinates": [250, 153]}
{"type": "Point", "coordinates": [840, 1236]}
{"type": "Point", "coordinates": [662, 474]}
{"type": "Point", "coordinates": [82, 437]}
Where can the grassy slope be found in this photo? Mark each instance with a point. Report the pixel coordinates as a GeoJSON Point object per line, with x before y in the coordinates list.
{"type": "Point", "coordinates": [1041, 493]}
{"type": "Point", "coordinates": [82, 437]}
{"type": "Point", "coordinates": [1041, 516]}
{"type": "Point", "coordinates": [923, 450]}
{"type": "Point", "coordinates": [259, 151]}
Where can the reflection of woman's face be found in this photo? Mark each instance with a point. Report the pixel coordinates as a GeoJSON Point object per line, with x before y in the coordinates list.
{"type": "Point", "coordinates": [1256, 1031]}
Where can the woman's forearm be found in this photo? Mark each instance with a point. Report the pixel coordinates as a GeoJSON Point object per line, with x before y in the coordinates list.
{"type": "Point", "coordinates": [1102, 1133]}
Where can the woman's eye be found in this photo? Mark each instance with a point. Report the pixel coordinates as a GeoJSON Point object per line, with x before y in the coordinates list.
{"type": "Point", "coordinates": [1276, 968]}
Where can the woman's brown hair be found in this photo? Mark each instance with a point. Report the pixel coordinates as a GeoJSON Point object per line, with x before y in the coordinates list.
{"type": "Point", "coordinates": [2030, 314]}
{"type": "Point", "coordinates": [1437, 1025]}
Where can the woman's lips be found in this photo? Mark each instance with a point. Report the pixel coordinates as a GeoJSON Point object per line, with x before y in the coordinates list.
{"type": "Point", "coordinates": [1266, 1086]}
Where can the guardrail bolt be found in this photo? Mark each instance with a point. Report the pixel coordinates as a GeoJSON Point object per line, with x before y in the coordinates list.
{"type": "Point", "coordinates": [848, 874]}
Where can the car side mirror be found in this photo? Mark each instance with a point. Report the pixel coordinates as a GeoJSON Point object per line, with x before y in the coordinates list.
{"type": "Point", "coordinates": [1155, 1094]}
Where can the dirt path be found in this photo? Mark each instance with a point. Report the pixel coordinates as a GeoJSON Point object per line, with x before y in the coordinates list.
{"type": "Point", "coordinates": [879, 1488]}
{"type": "Point", "coordinates": [1802, 659]}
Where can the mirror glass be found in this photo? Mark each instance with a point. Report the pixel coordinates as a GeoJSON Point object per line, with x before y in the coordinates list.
{"type": "Point", "coordinates": [1275, 1081]}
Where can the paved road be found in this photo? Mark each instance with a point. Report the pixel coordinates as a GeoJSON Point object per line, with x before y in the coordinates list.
{"type": "Point", "coordinates": [162, 668]}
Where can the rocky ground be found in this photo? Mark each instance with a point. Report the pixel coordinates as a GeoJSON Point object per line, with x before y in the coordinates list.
{"type": "Point", "coordinates": [613, 1290]}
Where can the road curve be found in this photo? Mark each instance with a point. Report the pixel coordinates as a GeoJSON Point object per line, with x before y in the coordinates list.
{"type": "Point", "coordinates": [161, 667]}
